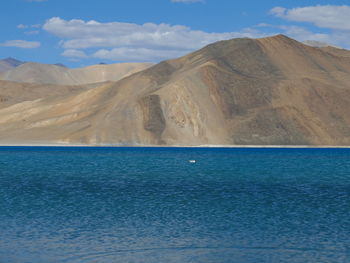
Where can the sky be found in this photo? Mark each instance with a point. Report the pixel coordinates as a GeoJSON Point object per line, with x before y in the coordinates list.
{"type": "Point", "coordinates": [78, 33]}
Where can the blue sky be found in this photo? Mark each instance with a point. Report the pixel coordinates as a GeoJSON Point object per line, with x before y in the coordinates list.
{"type": "Point", "coordinates": [84, 32]}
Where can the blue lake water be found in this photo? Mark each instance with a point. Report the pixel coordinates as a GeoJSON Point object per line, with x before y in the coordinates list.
{"type": "Point", "coordinates": [135, 205]}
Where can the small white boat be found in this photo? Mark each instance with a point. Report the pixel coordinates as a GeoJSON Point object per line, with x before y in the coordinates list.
{"type": "Point", "coordinates": [192, 161]}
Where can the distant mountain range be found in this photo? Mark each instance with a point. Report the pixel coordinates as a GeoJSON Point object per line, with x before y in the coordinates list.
{"type": "Point", "coordinates": [9, 63]}
{"type": "Point", "coordinates": [268, 91]}
{"type": "Point", "coordinates": [60, 75]}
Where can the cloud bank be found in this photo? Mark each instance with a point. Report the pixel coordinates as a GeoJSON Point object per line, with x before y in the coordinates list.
{"type": "Point", "coordinates": [334, 19]}
{"type": "Point", "coordinates": [119, 41]}
{"type": "Point", "coordinates": [130, 42]}
{"type": "Point", "coordinates": [323, 16]}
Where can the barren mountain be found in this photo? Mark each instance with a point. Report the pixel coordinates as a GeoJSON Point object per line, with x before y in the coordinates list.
{"type": "Point", "coordinates": [269, 91]}
{"type": "Point", "coordinates": [60, 75]}
{"type": "Point", "coordinates": [9, 63]}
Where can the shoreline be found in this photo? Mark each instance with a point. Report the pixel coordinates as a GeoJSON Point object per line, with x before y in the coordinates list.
{"type": "Point", "coordinates": [63, 145]}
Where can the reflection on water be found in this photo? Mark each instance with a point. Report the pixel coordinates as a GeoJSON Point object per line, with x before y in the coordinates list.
{"type": "Point", "coordinates": [153, 205]}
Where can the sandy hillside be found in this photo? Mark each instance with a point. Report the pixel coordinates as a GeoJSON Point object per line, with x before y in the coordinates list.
{"type": "Point", "coordinates": [16, 92]}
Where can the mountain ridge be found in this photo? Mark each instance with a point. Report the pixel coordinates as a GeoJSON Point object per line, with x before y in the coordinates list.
{"type": "Point", "coordinates": [32, 72]}
{"type": "Point", "coordinates": [269, 91]}
{"type": "Point", "coordinates": [9, 63]}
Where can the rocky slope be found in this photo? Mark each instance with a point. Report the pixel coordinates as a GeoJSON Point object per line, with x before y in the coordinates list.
{"type": "Point", "coordinates": [270, 91]}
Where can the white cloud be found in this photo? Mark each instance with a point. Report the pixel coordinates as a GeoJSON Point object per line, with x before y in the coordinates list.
{"type": "Point", "coordinates": [30, 29]}
{"type": "Point", "coordinates": [33, 32]}
{"type": "Point", "coordinates": [21, 44]}
{"type": "Point", "coordinates": [82, 34]}
{"type": "Point", "coordinates": [120, 41]}
{"type": "Point", "coordinates": [150, 41]}
{"type": "Point", "coordinates": [302, 34]}
{"type": "Point", "coordinates": [73, 53]}
{"type": "Point", "coordinates": [278, 11]}
{"type": "Point", "coordinates": [331, 17]}
{"type": "Point", "coordinates": [263, 25]}
{"type": "Point", "coordinates": [136, 54]}
{"type": "Point", "coordinates": [323, 16]}
{"type": "Point", "coordinates": [22, 26]}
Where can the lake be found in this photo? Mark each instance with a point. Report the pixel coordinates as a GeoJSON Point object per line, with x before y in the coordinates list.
{"type": "Point", "coordinates": [244, 205]}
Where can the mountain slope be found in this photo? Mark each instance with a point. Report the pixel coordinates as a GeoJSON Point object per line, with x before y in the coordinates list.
{"type": "Point", "coordinates": [270, 91]}
{"type": "Point", "coordinates": [56, 74]}
{"type": "Point", "coordinates": [16, 92]}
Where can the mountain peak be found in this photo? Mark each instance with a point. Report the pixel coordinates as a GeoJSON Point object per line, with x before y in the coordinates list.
{"type": "Point", "coordinates": [277, 38]}
{"type": "Point", "coordinates": [9, 63]}
{"type": "Point", "coordinates": [60, 65]}
{"type": "Point", "coordinates": [12, 61]}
